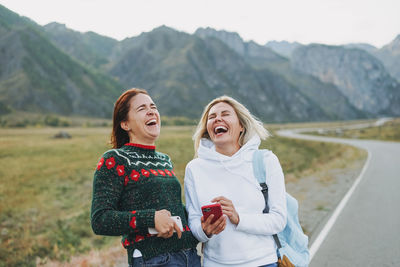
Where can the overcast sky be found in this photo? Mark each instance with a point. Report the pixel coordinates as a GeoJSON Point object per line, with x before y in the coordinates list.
{"type": "Point", "coordinates": [335, 22]}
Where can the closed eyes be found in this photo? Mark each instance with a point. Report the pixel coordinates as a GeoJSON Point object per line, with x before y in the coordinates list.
{"type": "Point", "coordinates": [223, 114]}
{"type": "Point", "coordinates": [143, 107]}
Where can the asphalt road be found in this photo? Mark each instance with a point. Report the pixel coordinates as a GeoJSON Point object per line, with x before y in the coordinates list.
{"type": "Point", "coordinates": [364, 230]}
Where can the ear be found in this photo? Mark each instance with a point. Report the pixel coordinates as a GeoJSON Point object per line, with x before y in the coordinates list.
{"type": "Point", "coordinates": [125, 126]}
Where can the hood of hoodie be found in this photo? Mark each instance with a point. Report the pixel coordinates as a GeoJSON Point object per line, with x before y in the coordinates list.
{"type": "Point", "coordinates": [207, 150]}
{"type": "Point", "coordinates": [239, 163]}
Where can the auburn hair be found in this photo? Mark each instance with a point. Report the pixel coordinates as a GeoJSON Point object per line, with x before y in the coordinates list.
{"type": "Point", "coordinates": [119, 136]}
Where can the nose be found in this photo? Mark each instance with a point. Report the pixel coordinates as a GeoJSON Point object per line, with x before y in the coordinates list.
{"type": "Point", "coordinates": [218, 118]}
{"type": "Point", "coordinates": [150, 111]}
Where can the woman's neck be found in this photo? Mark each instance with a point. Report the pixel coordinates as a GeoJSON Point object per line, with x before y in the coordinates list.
{"type": "Point", "coordinates": [146, 142]}
{"type": "Point", "coordinates": [227, 150]}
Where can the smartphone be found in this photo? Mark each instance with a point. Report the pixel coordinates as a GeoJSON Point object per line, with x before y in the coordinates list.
{"type": "Point", "coordinates": [176, 219]}
{"type": "Point", "coordinates": [212, 209]}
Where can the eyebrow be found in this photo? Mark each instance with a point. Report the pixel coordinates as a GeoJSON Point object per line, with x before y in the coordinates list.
{"type": "Point", "coordinates": [224, 111]}
{"type": "Point", "coordinates": [144, 105]}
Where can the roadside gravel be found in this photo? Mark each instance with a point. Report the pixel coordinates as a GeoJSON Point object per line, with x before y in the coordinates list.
{"type": "Point", "coordinates": [318, 194]}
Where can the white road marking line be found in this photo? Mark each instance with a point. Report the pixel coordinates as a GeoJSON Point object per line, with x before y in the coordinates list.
{"type": "Point", "coordinates": [324, 232]}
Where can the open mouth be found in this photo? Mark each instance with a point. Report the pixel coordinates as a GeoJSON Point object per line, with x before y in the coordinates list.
{"type": "Point", "coordinates": [220, 130]}
{"type": "Point", "coordinates": [151, 122]}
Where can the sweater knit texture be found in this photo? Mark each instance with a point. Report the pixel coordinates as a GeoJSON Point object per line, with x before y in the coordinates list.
{"type": "Point", "coordinates": [130, 184]}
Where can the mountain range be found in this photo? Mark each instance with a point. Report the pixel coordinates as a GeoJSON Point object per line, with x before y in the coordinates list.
{"type": "Point", "coordinates": [356, 73]}
{"type": "Point", "coordinates": [53, 69]}
{"type": "Point", "coordinates": [36, 76]}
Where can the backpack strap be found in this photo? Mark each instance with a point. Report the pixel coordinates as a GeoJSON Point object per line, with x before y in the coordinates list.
{"type": "Point", "coordinates": [261, 176]}
{"type": "Point", "coordinates": [259, 173]}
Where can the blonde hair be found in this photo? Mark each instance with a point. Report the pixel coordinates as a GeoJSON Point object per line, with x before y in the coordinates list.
{"type": "Point", "coordinates": [251, 125]}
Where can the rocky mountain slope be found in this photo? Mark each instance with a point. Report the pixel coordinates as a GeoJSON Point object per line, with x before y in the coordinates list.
{"type": "Point", "coordinates": [390, 57]}
{"type": "Point", "coordinates": [358, 75]}
{"type": "Point", "coordinates": [283, 48]}
{"type": "Point", "coordinates": [329, 99]}
{"type": "Point", "coordinates": [38, 77]}
{"type": "Point", "coordinates": [55, 69]}
{"type": "Point", "coordinates": [184, 72]}
{"type": "Point", "coordinates": [90, 48]}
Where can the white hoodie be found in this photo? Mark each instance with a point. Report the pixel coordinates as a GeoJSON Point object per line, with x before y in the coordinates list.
{"type": "Point", "coordinates": [212, 174]}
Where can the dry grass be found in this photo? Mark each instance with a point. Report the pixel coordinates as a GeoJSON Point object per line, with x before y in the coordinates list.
{"type": "Point", "coordinates": [390, 131]}
{"type": "Point", "coordinates": [46, 183]}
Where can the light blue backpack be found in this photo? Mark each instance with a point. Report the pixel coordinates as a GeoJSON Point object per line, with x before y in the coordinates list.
{"type": "Point", "coordinates": [291, 242]}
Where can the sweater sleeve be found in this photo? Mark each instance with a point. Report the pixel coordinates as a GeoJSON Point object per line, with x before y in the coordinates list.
{"type": "Point", "coordinates": [106, 218]}
{"type": "Point", "coordinates": [275, 221]}
{"type": "Point", "coordinates": [193, 207]}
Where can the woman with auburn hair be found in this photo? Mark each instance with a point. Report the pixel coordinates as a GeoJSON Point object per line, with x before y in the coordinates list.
{"type": "Point", "coordinates": [136, 193]}
{"type": "Point", "coordinates": [225, 140]}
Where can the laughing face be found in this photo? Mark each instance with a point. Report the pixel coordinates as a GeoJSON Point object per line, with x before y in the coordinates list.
{"type": "Point", "coordinates": [143, 123]}
{"type": "Point", "coordinates": [223, 127]}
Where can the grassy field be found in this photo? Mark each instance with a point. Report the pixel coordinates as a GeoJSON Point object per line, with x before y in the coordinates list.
{"type": "Point", "coordinates": [390, 131]}
{"type": "Point", "coordinates": [46, 184]}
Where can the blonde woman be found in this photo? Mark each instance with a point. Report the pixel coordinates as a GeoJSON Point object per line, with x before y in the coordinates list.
{"type": "Point", "coordinates": [225, 140]}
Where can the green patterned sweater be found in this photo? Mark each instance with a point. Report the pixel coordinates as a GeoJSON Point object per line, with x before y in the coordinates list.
{"type": "Point", "coordinates": [130, 184]}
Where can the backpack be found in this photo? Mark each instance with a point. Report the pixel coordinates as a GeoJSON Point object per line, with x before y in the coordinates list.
{"type": "Point", "coordinates": [291, 242]}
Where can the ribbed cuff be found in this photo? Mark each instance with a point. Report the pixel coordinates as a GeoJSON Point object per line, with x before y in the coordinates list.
{"type": "Point", "coordinates": [145, 219]}
{"type": "Point", "coordinates": [203, 237]}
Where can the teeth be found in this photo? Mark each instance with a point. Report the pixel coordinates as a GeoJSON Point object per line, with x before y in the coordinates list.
{"type": "Point", "coordinates": [151, 121]}
{"type": "Point", "coordinates": [219, 129]}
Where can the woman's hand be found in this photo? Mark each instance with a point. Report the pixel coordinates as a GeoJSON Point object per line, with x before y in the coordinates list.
{"type": "Point", "coordinates": [165, 225]}
{"type": "Point", "coordinates": [228, 209]}
{"type": "Point", "coordinates": [213, 229]}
